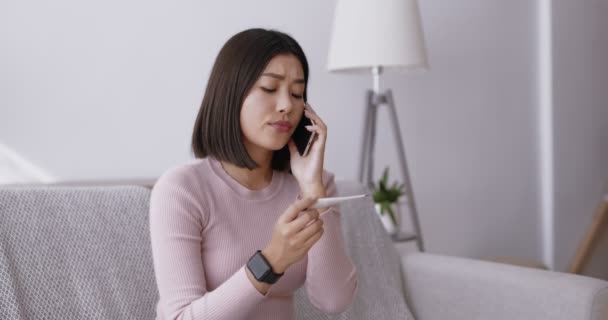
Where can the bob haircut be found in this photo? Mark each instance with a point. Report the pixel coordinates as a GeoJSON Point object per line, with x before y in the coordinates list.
{"type": "Point", "coordinates": [239, 64]}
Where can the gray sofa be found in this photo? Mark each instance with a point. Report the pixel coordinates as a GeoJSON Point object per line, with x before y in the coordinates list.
{"type": "Point", "coordinates": [82, 252]}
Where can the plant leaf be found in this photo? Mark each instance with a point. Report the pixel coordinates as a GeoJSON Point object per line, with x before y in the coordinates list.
{"type": "Point", "coordinates": [385, 176]}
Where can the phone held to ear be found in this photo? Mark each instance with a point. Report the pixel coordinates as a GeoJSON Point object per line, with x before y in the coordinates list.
{"type": "Point", "coordinates": [302, 137]}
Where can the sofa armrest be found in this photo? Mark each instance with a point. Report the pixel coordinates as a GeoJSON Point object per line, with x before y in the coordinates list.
{"type": "Point", "coordinates": [442, 287]}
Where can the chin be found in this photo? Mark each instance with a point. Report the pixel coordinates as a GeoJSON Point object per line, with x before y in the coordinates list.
{"type": "Point", "coordinates": [279, 147]}
{"type": "Point", "coordinates": [270, 145]}
{"type": "Point", "coordinates": [272, 142]}
{"type": "Point", "coordinates": [276, 145]}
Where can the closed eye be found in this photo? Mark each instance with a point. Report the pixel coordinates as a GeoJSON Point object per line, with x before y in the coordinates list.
{"type": "Point", "coordinates": [268, 90]}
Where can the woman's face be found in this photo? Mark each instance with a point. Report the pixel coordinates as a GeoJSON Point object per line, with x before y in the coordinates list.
{"type": "Point", "coordinates": [276, 96]}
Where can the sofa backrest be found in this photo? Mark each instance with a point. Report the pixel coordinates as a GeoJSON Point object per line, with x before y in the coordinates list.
{"type": "Point", "coordinates": [72, 252]}
{"type": "Point", "coordinates": [76, 253]}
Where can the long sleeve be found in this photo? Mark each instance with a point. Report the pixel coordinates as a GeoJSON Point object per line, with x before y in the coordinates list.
{"type": "Point", "coordinates": [177, 220]}
{"type": "Point", "coordinates": [331, 277]}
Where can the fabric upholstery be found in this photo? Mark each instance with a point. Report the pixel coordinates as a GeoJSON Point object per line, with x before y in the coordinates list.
{"type": "Point", "coordinates": [443, 287]}
{"type": "Point", "coordinates": [75, 253]}
{"type": "Point", "coordinates": [84, 253]}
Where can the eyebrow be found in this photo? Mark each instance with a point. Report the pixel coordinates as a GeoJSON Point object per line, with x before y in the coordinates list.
{"type": "Point", "coordinates": [280, 77]}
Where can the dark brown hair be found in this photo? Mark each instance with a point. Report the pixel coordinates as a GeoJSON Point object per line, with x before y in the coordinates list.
{"type": "Point", "coordinates": [240, 62]}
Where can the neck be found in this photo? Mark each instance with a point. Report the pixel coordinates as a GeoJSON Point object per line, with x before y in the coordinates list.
{"type": "Point", "coordinates": [254, 179]}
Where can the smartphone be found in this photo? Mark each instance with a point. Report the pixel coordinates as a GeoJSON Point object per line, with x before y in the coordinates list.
{"type": "Point", "coordinates": [302, 137]}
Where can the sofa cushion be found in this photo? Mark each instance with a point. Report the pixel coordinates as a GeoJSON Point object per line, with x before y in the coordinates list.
{"type": "Point", "coordinates": [75, 253]}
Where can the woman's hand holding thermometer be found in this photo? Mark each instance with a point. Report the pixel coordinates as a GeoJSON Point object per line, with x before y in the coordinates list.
{"type": "Point", "coordinates": [297, 230]}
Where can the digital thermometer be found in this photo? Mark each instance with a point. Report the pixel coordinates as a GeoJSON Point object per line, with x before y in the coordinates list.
{"type": "Point", "coordinates": [326, 202]}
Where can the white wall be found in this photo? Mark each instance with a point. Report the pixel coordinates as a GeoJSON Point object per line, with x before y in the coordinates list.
{"type": "Point", "coordinates": [469, 129]}
{"type": "Point", "coordinates": [111, 89]}
{"type": "Point", "coordinates": [580, 70]}
{"type": "Point", "coordinates": [14, 169]}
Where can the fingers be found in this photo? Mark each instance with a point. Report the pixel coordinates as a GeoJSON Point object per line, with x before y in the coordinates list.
{"type": "Point", "coordinates": [316, 119]}
{"type": "Point", "coordinates": [317, 127]}
{"type": "Point", "coordinates": [309, 231]}
{"type": "Point", "coordinates": [312, 128]}
{"type": "Point", "coordinates": [295, 208]}
{"type": "Point", "coordinates": [304, 219]}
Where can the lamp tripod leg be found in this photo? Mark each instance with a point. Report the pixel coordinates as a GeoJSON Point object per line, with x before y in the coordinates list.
{"type": "Point", "coordinates": [404, 169]}
{"type": "Point", "coordinates": [364, 157]}
{"type": "Point", "coordinates": [373, 106]}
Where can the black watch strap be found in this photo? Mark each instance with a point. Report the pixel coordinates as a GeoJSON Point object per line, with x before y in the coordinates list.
{"type": "Point", "coordinates": [261, 268]}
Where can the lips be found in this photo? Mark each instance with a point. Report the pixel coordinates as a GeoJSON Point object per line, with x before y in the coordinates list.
{"type": "Point", "coordinates": [281, 126]}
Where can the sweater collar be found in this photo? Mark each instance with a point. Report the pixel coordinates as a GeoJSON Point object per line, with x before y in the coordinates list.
{"type": "Point", "coordinates": [262, 194]}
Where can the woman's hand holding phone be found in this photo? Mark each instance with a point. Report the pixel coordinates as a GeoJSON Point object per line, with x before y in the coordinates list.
{"type": "Point", "coordinates": [308, 169]}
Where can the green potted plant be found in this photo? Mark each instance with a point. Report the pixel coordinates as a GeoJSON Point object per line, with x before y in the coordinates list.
{"type": "Point", "coordinates": [385, 199]}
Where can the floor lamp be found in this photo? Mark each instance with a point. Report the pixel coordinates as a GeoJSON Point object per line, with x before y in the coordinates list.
{"type": "Point", "coordinates": [371, 37]}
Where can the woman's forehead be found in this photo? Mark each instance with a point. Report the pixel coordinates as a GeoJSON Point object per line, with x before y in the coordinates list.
{"type": "Point", "coordinates": [285, 66]}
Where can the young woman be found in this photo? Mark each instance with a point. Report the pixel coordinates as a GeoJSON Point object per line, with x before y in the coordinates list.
{"type": "Point", "coordinates": [231, 234]}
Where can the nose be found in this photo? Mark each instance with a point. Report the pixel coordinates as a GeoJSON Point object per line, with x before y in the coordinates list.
{"type": "Point", "coordinates": [285, 103]}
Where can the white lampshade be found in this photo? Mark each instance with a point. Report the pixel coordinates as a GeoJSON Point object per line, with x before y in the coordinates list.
{"type": "Point", "coordinates": [376, 33]}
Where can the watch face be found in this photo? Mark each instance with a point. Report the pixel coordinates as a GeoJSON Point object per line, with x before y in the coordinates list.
{"type": "Point", "coordinates": [259, 268]}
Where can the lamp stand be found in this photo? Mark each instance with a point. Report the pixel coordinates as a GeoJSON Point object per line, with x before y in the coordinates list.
{"type": "Point", "coordinates": [375, 100]}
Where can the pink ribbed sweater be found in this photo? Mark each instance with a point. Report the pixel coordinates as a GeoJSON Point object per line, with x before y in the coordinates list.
{"type": "Point", "coordinates": [204, 226]}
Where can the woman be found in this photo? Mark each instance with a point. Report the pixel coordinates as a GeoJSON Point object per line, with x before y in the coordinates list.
{"type": "Point", "coordinates": [231, 234]}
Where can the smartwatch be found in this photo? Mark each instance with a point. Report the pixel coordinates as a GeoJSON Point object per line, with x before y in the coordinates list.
{"type": "Point", "coordinates": [261, 269]}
